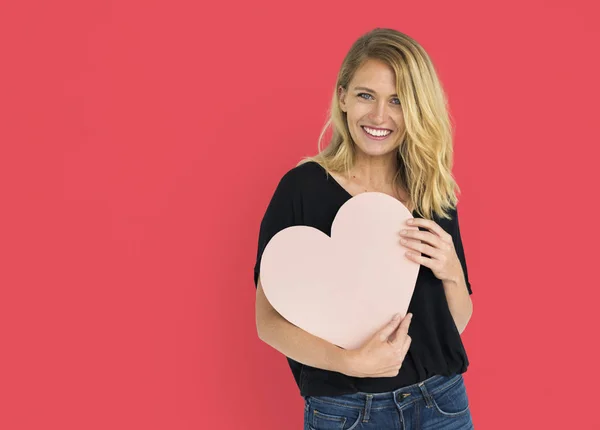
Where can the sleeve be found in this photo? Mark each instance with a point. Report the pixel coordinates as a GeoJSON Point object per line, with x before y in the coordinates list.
{"type": "Point", "coordinates": [280, 213]}
{"type": "Point", "coordinates": [458, 245]}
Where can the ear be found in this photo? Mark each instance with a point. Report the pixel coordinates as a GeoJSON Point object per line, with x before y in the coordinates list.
{"type": "Point", "coordinates": [342, 97]}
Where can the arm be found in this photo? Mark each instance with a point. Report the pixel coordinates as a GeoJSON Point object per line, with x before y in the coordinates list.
{"type": "Point", "coordinates": [459, 302]}
{"type": "Point", "coordinates": [458, 292]}
{"type": "Point", "coordinates": [377, 357]}
{"type": "Point", "coordinates": [272, 328]}
{"type": "Point", "coordinates": [293, 342]}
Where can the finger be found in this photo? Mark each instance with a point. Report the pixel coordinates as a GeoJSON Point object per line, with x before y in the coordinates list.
{"type": "Point", "coordinates": [423, 248]}
{"type": "Point", "coordinates": [406, 345]}
{"type": "Point", "coordinates": [400, 356]}
{"type": "Point", "coordinates": [388, 371]}
{"type": "Point", "coordinates": [389, 328]}
{"type": "Point", "coordinates": [402, 330]}
{"type": "Point", "coordinates": [433, 226]}
{"type": "Point", "coordinates": [423, 261]}
{"type": "Point", "coordinates": [389, 374]}
{"type": "Point", "coordinates": [425, 237]}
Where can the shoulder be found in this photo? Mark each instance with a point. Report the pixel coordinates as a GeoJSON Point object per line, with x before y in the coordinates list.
{"type": "Point", "coordinates": [448, 224]}
{"type": "Point", "coordinates": [453, 226]}
{"type": "Point", "coordinates": [302, 177]}
{"type": "Point", "coordinates": [292, 195]}
{"type": "Point", "coordinates": [305, 171]}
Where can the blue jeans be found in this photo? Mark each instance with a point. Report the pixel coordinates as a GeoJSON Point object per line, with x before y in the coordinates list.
{"type": "Point", "coordinates": [439, 402]}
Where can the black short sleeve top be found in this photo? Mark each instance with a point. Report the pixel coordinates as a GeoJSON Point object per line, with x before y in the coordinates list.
{"type": "Point", "coordinates": [305, 195]}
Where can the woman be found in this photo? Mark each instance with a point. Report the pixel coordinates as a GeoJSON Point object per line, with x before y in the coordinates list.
{"type": "Point", "coordinates": [391, 134]}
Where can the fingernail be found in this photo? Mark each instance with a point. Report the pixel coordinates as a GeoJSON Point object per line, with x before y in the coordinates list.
{"type": "Point", "coordinates": [397, 316]}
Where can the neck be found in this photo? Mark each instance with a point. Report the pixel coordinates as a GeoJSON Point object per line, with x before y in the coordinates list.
{"type": "Point", "coordinates": [375, 172]}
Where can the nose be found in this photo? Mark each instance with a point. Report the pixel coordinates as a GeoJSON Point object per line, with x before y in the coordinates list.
{"type": "Point", "coordinates": [378, 112]}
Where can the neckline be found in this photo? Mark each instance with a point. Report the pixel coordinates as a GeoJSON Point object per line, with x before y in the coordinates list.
{"type": "Point", "coordinates": [339, 186]}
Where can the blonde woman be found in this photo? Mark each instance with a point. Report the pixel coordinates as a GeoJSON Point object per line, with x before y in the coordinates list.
{"type": "Point", "coordinates": [391, 133]}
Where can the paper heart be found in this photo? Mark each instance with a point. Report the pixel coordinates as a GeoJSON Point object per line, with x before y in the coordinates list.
{"type": "Point", "coordinates": [346, 287]}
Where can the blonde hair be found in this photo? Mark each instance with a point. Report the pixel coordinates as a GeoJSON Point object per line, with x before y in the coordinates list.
{"type": "Point", "coordinates": [425, 154]}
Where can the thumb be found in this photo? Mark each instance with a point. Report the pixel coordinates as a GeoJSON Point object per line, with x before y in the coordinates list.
{"type": "Point", "coordinates": [387, 331]}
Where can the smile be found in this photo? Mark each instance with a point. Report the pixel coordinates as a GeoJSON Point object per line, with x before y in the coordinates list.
{"type": "Point", "coordinates": [376, 134]}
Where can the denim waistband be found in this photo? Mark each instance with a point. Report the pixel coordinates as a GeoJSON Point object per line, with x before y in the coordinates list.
{"type": "Point", "coordinates": [402, 397]}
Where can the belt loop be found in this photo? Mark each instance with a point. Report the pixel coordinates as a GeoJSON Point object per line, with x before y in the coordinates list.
{"type": "Point", "coordinates": [367, 408]}
{"type": "Point", "coordinates": [426, 394]}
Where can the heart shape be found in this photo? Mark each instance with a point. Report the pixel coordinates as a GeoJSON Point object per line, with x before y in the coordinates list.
{"type": "Point", "coordinates": [346, 287]}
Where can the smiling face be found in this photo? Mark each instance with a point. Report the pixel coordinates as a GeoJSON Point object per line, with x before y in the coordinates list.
{"type": "Point", "coordinates": [373, 110]}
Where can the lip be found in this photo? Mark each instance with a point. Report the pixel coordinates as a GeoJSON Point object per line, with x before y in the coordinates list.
{"type": "Point", "coordinates": [376, 128]}
{"type": "Point", "coordinates": [376, 137]}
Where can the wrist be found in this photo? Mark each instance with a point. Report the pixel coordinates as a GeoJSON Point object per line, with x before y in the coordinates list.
{"type": "Point", "coordinates": [347, 362]}
{"type": "Point", "coordinates": [457, 280]}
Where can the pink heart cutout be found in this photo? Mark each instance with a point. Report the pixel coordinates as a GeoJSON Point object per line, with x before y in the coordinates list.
{"type": "Point", "coordinates": [346, 287]}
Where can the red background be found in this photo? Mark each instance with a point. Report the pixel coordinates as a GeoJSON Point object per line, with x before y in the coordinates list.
{"type": "Point", "coordinates": [141, 142]}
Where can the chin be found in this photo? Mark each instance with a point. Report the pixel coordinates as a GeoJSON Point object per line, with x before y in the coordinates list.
{"type": "Point", "coordinates": [374, 150]}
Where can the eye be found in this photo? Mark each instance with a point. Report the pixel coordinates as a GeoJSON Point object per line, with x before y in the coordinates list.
{"type": "Point", "coordinates": [396, 102]}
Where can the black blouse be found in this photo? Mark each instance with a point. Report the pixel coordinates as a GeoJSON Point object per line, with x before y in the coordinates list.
{"type": "Point", "coordinates": [306, 196]}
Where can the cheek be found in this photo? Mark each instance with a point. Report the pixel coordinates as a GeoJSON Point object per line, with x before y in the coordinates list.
{"type": "Point", "coordinates": [353, 118]}
{"type": "Point", "coordinates": [399, 119]}
{"type": "Point", "coordinates": [357, 114]}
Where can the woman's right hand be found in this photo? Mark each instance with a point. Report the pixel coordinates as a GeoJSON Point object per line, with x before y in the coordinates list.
{"type": "Point", "coordinates": [383, 354]}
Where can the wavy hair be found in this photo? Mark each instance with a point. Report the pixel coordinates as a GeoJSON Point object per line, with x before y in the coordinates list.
{"type": "Point", "coordinates": [425, 153]}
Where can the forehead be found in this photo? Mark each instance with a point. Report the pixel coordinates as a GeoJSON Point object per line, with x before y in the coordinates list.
{"type": "Point", "coordinates": [376, 75]}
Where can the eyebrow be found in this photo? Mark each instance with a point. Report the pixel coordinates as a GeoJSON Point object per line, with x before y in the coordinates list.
{"type": "Point", "coordinates": [370, 90]}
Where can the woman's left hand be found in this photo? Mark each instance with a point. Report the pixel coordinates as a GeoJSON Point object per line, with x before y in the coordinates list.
{"type": "Point", "coordinates": [435, 243]}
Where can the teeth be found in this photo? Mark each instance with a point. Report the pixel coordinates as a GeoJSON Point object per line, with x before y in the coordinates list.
{"type": "Point", "coordinates": [378, 133]}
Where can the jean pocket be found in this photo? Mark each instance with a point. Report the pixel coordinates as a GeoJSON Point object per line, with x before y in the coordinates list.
{"type": "Point", "coordinates": [453, 400]}
{"type": "Point", "coordinates": [325, 415]}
